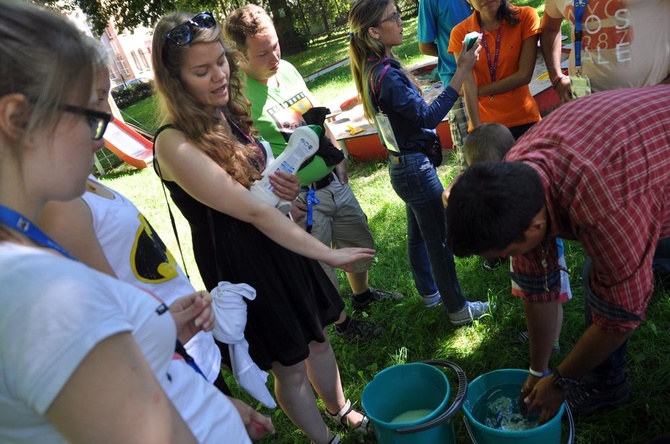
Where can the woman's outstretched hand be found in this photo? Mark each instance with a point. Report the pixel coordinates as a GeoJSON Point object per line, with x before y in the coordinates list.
{"type": "Point", "coordinates": [344, 257]}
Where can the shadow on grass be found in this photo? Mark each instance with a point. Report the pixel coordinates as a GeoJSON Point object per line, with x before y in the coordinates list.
{"type": "Point", "coordinates": [123, 170]}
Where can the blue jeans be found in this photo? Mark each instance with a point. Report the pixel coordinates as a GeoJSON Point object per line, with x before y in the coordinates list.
{"type": "Point", "coordinates": [661, 262]}
{"type": "Point", "coordinates": [415, 181]}
{"type": "Point", "coordinates": [612, 370]}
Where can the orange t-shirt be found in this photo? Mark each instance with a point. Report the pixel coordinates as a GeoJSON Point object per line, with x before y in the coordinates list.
{"type": "Point", "coordinates": [515, 107]}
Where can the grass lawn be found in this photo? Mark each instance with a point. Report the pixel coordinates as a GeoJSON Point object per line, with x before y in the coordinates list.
{"type": "Point", "coordinates": [414, 333]}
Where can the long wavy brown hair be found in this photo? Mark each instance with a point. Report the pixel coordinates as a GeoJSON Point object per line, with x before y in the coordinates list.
{"type": "Point", "coordinates": [179, 108]}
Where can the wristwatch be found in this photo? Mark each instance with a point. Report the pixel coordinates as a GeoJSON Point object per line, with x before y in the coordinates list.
{"type": "Point", "coordinates": [562, 382]}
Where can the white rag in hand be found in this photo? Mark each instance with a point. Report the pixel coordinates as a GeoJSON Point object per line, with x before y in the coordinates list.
{"type": "Point", "coordinates": [231, 318]}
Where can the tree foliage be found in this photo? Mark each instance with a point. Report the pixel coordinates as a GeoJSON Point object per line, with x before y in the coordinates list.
{"type": "Point", "coordinates": [297, 21]}
{"type": "Point", "coordinates": [126, 15]}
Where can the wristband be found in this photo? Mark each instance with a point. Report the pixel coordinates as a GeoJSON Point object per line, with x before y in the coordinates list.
{"type": "Point", "coordinates": [538, 374]}
{"type": "Point", "coordinates": [558, 78]}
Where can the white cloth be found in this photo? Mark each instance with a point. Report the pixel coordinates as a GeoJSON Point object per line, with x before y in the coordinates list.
{"type": "Point", "coordinates": [54, 312]}
{"type": "Point", "coordinates": [231, 319]}
{"type": "Point", "coordinates": [138, 256]}
{"type": "Point", "coordinates": [213, 419]}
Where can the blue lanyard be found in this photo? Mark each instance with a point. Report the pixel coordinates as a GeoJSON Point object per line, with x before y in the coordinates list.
{"type": "Point", "coordinates": [493, 67]}
{"type": "Point", "coordinates": [17, 221]}
{"type": "Point", "coordinates": [13, 219]}
{"type": "Point", "coordinates": [311, 201]}
{"type": "Point", "coordinates": [580, 7]}
{"type": "Point", "coordinates": [181, 351]}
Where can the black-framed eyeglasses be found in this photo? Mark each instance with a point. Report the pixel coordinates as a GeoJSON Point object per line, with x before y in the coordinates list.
{"type": "Point", "coordinates": [393, 17]}
{"type": "Point", "coordinates": [97, 120]}
{"type": "Point", "coordinates": [183, 34]}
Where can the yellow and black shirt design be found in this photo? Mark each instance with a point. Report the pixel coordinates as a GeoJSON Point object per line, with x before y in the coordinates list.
{"type": "Point", "coordinates": [150, 260]}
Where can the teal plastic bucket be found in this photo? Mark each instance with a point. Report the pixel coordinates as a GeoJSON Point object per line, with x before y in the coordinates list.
{"type": "Point", "coordinates": [409, 403]}
{"type": "Point", "coordinates": [480, 433]}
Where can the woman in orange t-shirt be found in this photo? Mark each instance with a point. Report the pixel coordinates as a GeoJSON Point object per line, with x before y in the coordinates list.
{"type": "Point", "coordinates": [497, 90]}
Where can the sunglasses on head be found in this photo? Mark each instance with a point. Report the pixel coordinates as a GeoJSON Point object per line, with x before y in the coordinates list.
{"type": "Point", "coordinates": [97, 120]}
{"type": "Point", "coordinates": [182, 34]}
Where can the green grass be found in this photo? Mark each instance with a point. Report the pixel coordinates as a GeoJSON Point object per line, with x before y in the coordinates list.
{"type": "Point", "coordinates": [338, 83]}
{"type": "Point", "coordinates": [322, 52]}
{"type": "Point", "coordinates": [143, 114]}
{"type": "Point", "coordinates": [414, 333]}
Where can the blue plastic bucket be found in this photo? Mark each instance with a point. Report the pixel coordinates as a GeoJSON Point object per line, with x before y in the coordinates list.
{"type": "Point", "coordinates": [480, 433]}
{"type": "Point", "coordinates": [409, 403]}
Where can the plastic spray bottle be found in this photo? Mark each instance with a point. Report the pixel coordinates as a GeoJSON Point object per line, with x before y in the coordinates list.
{"type": "Point", "coordinates": [303, 143]}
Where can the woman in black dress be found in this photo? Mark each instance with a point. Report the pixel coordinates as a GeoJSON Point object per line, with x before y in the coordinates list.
{"type": "Point", "coordinates": [208, 157]}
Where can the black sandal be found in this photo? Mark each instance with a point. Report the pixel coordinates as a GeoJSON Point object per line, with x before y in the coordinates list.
{"type": "Point", "coordinates": [341, 417]}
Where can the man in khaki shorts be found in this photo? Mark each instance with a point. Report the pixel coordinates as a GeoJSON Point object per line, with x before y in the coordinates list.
{"type": "Point", "coordinates": [281, 102]}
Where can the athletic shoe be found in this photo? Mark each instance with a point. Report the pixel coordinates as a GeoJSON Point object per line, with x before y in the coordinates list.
{"type": "Point", "coordinates": [432, 300]}
{"type": "Point", "coordinates": [522, 338]}
{"type": "Point", "coordinates": [492, 264]}
{"type": "Point", "coordinates": [471, 311]}
{"type": "Point", "coordinates": [360, 330]}
{"type": "Point", "coordinates": [376, 295]}
{"type": "Point", "coordinates": [588, 397]}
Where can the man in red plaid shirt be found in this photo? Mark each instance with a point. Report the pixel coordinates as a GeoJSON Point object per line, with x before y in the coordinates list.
{"type": "Point", "coordinates": [596, 170]}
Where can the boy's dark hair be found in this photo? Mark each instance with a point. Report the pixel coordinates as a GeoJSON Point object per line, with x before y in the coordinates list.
{"type": "Point", "coordinates": [491, 205]}
{"type": "Point", "coordinates": [488, 142]}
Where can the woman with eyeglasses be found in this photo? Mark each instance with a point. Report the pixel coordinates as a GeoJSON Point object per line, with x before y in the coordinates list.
{"type": "Point", "coordinates": [207, 155]}
{"type": "Point", "coordinates": [83, 357]}
{"type": "Point", "coordinates": [105, 231]}
{"type": "Point", "coordinates": [406, 126]}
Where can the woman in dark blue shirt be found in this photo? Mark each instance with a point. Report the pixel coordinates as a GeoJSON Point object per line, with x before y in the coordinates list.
{"type": "Point", "coordinates": [406, 125]}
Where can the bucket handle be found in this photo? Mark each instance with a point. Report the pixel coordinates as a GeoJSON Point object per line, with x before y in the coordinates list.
{"type": "Point", "coordinates": [568, 413]}
{"type": "Point", "coordinates": [458, 401]}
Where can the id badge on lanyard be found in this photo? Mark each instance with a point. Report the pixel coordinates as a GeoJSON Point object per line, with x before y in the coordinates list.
{"type": "Point", "coordinates": [386, 132]}
{"type": "Point", "coordinates": [579, 84]}
{"type": "Point", "coordinates": [382, 121]}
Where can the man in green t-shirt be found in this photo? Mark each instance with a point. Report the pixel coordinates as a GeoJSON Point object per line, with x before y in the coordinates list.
{"type": "Point", "coordinates": [281, 102]}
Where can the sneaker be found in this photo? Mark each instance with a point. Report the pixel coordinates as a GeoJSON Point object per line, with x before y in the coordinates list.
{"type": "Point", "coordinates": [661, 279]}
{"type": "Point", "coordinates": [471, 311]}
{"type": "Point", "coordinates": [587, 397]}
{"type": "Point", "coordinates": [360, 330]}
{"type": "Point", "coordinates": [432, 300]}
{"type": "Point", "coordinates": [492, 264]}
{"type": "Point", "coordinates": [521, 338]}
{"type": "Point", "coordinates": [376, 295]}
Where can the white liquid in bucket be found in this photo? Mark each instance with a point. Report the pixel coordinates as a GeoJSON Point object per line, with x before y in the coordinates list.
{"type": "Point", "coordinates": [412, 415]}
{"type": "Point", "coordinates": [498, 408]}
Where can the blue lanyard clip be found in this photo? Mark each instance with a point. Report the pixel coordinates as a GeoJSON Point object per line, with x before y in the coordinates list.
{"type": "Point", "coordinates": [311, 201]}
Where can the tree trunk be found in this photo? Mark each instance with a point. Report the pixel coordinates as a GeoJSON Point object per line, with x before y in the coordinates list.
{"type": "Point", "coordinates": [283, 19]}
{"type": "Point", "coordinates": [304, 22]}
{"type": "Point", "coordinates": [324, 17]}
